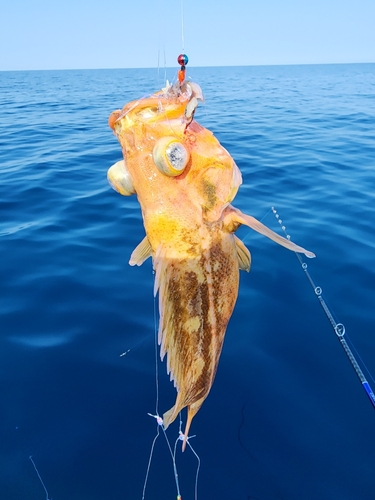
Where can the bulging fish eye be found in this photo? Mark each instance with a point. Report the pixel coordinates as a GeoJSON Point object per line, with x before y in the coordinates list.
{"type": "Point", "coordinates": [170, 156]}
{"type": "Point", "coordinates": [120, 179]}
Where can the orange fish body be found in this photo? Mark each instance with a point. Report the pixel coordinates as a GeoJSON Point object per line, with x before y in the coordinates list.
{"type": "Point", "coordinates": [185, 181]}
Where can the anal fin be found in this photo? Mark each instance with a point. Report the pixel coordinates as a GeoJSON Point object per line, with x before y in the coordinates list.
{"type": "Point", "coordinates": [243, 254]}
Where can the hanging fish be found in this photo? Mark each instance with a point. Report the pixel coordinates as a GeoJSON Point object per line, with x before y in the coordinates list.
{"type": "Point", "coordinates": [185, 182]}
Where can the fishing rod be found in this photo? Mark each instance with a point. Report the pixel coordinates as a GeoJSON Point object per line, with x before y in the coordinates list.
{"type": "Point", "coordinates": [338, 328]}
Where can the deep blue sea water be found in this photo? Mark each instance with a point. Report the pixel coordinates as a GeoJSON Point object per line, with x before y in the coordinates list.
{"type": "Point", "coordinates": [287, 417]}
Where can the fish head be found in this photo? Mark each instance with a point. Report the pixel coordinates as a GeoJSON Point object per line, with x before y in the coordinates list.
{"type": "Point", "coordinates": [178, 169]}
{"type": "Point", "coordinates": [141, 125]}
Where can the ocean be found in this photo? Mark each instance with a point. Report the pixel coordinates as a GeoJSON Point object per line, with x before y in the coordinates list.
{"type": "Point", "coordinates": [287, 418]}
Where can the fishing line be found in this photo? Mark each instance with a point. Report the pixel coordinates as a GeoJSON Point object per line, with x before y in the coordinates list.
{"type": "Point", "coordinates": [159, 420]}
{"type": "Point", "coordinates": [156, 406]}
{"type": "Point", "coordinates": [181, 438]}
{"type": "Point", "coordinates": [160, 425]}
{"type": "Point", "coordinates": [360, 358]}
{"type": "Point", "coordinates": [163, 21]}
{"type": "Point", "coordinates": [182, 26]}
{"type": "Point", "coordinates": [248, 233]}
{"type": "Point", "coordinates": [165, 66]}
{"type": "Point", "coordinates": [158, 64]}
{"type": "Point", "coordinates": [156, 357]}
{"type": "Point", "coordinates": [160, 80]}
{"type": "Point", "coordinates": [40, 478]}
{"type": "Point", "coordinates": [338, 328]}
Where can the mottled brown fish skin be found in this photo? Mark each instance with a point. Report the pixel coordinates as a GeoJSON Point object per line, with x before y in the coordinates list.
{"type": "Point", "coordinates": [200, 295]}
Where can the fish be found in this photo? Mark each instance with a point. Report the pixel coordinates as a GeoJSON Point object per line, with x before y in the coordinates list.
{"type": "Point", "coordinates": [185, 181]}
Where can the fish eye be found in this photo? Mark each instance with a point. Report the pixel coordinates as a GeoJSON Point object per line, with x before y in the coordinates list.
{"type": "Point", "coordinates": [170, 156]}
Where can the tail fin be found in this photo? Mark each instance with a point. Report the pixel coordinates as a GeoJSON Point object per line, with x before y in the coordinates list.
{"type": "Point", "coordinates": [171, 415]}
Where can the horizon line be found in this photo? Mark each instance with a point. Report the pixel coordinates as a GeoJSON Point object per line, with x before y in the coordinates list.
{"type": "Point", "coordinates": [193, 67]}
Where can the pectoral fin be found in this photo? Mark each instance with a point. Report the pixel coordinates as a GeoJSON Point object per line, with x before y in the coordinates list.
{"type": "Point", "coordinates": [243, 254]}
{"type": "Point", "coordinates": [141, 253]}
{"type": "Point", "coordinates": [234, 217]}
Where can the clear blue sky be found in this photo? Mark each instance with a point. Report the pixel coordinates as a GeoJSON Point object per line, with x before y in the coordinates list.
{"type": "Point", "coordinates": [79, 34]}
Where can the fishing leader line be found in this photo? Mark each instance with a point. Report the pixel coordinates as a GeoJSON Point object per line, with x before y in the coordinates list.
{"type": "Point", "coordinates": [338, 328]}
{"type": "Point", "coordinates": [40, 478]}
{"type": "Point", "coordinates": [159, 420]}
{"type": "Point", "coordinates": [182, 26]}
{"type": "Point", "coordinates": [160, 425]}
{"type": "Point", "coordinates": [183, 58]}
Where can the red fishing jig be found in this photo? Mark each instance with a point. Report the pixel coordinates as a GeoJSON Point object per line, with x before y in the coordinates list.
{"type": "Point", "coordinates": [182, 61]}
